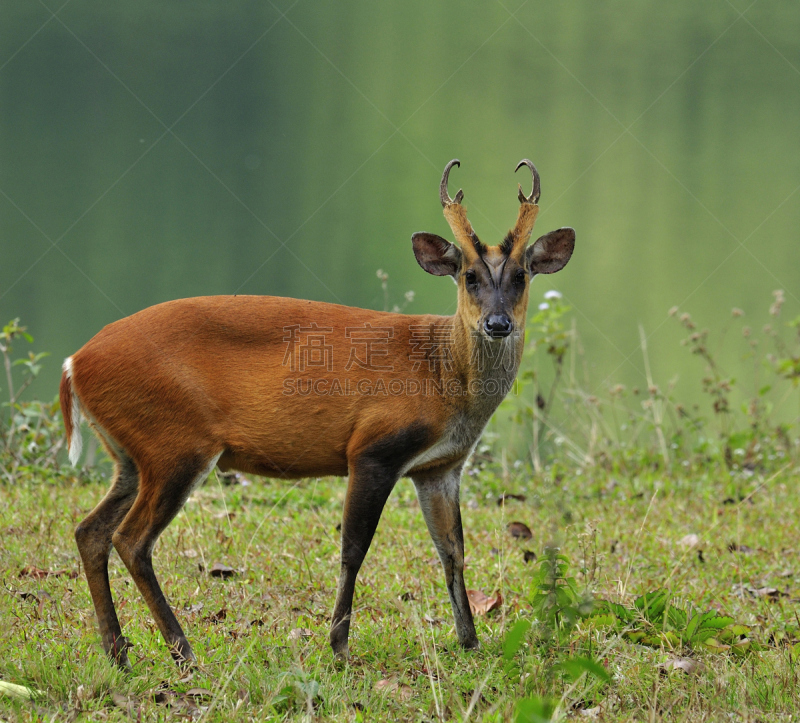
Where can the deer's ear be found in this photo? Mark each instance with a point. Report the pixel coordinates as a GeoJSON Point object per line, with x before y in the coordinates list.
{"type": "Point", "coordinates": [436, 255]}
{"type": "Point", "coordinates": [551, 252]}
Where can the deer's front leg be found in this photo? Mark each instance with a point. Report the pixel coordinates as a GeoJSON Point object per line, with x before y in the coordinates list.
{"type": "Point", "coordinates": [368, 489]}
{"type": "Point", "coordinates": [439, 500]}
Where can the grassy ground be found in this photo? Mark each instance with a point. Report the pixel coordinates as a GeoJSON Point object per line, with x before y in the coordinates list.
{"type": "Point", "coordinates": [624, 536]}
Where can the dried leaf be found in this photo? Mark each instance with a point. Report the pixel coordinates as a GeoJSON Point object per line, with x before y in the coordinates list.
{"type": "Point", "coordinates": [432, 620]}
{"type": "Point", "coordinates": [743, 549]}
{"type": "Point", "coordinates": [198, 693]}
{"type": "Point", "coordinates": [519, 530]}
{"type": "Point", "coordinates": [770, 593]}
{"type": "Point", "coordinates": [223, 515]}
{"type": "Point", "coordinates": [691, 540]}
{"type": "Point", "coordinates": [297, 633]}
{"type": "Point", "coordinates": [480, 603]}
{"type": "Point", "coordinates": [223, 571]}
{"type": "Point", "coordinates": [190, 553]}
{"type": "Point", "coordinates": [12, 690]}
{"type": "Point", "coordinates": [401, 691]}
{"type": "Point", "coordinates": [127, 703]}
{"type": "Point", "coordinates": [501, 500]}
{"type": "Point", "coordinates": [216, 617]}
{"type": "Point", "coordinates": [687, 665]}
{"type": "Point", "coordinates": [407, 597]}
{"type": "Point", "coordinates": [38, 574]}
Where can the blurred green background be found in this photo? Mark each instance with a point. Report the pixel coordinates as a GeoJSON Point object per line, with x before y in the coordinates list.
{"type": "Point", "coordinates": [159, 150]}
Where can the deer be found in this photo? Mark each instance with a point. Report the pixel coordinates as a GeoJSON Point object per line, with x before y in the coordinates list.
{"type": "Point", "coordinates": [291, 389]}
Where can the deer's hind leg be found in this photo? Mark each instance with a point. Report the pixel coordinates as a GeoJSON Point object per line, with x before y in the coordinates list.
{"type": "Point", "coordinates": [93, 536]}
{"type": "Point", "coordinates": [163, 489]}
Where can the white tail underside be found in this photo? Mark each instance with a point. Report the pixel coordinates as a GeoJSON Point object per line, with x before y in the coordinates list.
{"type": "Point", "coordinates": [76, 442]}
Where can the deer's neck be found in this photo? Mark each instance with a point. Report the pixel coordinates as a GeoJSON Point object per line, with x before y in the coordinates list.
{"type": "Point", "coordinates": [487, 367]}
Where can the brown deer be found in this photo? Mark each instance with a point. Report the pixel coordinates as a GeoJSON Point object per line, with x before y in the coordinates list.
{"type": "Point", "coordinates": [289, 388]}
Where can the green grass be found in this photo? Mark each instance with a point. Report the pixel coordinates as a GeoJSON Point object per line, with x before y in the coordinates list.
{"type": "Point", "coordinates": [621, 534]}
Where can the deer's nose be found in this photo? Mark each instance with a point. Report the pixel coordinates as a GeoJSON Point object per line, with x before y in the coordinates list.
{"type": "Point", "coordinates": [498, 325]}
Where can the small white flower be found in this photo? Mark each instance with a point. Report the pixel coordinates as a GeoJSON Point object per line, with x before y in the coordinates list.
{"type": "Point", "coordinates": [552, 294]}
{"type": "Point", "coordinates": [409, 296]}
{"type": "Point", "coordinates": [543, 306]}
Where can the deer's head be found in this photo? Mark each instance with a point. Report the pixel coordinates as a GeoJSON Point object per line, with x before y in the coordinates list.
{"type": "Point", "coordinates": [493, 280]}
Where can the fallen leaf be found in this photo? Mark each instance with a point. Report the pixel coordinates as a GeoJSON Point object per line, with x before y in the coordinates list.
{"type": "Point", "coordinates": [12, 690]}
{"type": "Point", "coordinates": [193, 609]}
{"type": "Point", "coordinates": [770, 593]}
{"type": "Point", "coordinates": [125, 702]}
{"type": "Point", "coordinates": [687, 665]}
{"type": "Point", "coordinates": [223, 515]}
{"type": "Point", "coordinates": [401, 691]}
{"type": "Point", "coordinates": [190, 553]}
{"type": "Point", "coordinates": [501, 500]}
{"type": "Point", "coordinates": [432, 620]}
{"type": "Point", "coordinates": [691, 540]}
{"type": "Point", "coordinates": [519, 530]}
{"type": "Point", "coordinates": [216, 617]}
{"type": "Point", "coordinates": [591, 713]}
{"type": "Point", "coordinates": [242, 698]}
{"type": "Point", "coordinates": [223, 571]}
{"type": "Point", "coordinates": [163, 697]}
{"type": "Point", "coordinates": [473, 504]}
{"type": "Point", "coordinates": [480, 603]}
{"type": "Point", "coordinates": [297, 633]}
{"type": "Point", "coordinates": [744, 549]}
{"type": "Point", "coordinates": [529, 556]}
{"type": "Point", "coordinates": [198, 693]}
{"type": "Point", "coordinates": [407, 596]}
{"type": "Point", "coordinates": [38, 574]}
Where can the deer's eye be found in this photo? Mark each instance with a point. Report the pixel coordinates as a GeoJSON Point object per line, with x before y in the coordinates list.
{"type": "Point", "coordinates": [519, 277]}
{"type": "Point", "coordinates": [471, 278]}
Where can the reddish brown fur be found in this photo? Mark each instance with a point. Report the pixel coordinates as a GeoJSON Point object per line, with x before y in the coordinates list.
{"type": "Point", "coordinates": [65, 399]}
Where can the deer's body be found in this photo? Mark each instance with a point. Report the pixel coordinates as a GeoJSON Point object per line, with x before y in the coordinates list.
{"type": "Point", "coordinates": [223, 368]}
{"type": "Point", "coordinates": [288, 388]}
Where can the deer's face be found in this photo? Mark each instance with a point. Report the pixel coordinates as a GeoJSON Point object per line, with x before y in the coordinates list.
{"type": "Point", "coordinates": [493, 280]}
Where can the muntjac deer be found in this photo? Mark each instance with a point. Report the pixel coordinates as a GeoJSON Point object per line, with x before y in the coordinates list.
{"type": "Point", "coordinates": [291, 389]}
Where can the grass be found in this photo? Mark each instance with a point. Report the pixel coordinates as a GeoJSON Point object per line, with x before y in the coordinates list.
{"type": "Point", "coordinates": [624, 536]}
{"type": "Point", "coordinates": [640, 492]}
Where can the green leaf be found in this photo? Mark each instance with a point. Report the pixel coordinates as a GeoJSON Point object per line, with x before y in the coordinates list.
{"type": "Point", "coordinates": [577, 665]}
{"type": "Point", "coordinates": [534, 710]}
{"type": "Point", "coordinates": [676, 618]}
{"type": "Point", "coordinates": [514, 638]}
{"type": "Point", "coordinates": [603, 620]}
{"type": "Point", "coordinates": [716, 621]}
{"type": "Point", "coordinates": [652, 605]}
